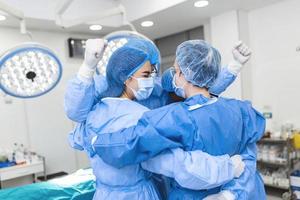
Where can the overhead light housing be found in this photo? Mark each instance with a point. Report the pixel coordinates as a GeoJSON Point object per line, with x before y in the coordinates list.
{"type": "Point", "coordinates": [201, 4]}
{"type": "Point", "coordinates": [29, 70]}
{"type": "Point", "coordinates": [147, 23]}
{"type": "Point", "coordinates": [95, 27]}
{"type": "Point", "coordinates": [2, 18]}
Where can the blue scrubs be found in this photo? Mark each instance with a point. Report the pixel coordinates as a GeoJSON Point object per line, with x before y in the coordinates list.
{"type": "Point", "coordinates": [227, 126]}
{"type": "Point", "coordinates": [81, 96]}
{"type": "Point", "coordinates": [194, 170]}
{"type": "Point", "coordinates": [129, 182]}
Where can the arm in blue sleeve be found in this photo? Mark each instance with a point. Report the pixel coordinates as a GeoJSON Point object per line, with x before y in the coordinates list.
{"type": "Point", "coordinates": [249, 185]}
{"type": "Point", "coordinates": [79, 99]}
{"type": "Point", "coordinates": [224, 80]}
{"type": "Point", "coordinates": [76, 137]}
{"type": "Point", "coordinates": [249, 182]}
{"type": "Point", "coordinates": [160, 129]}
{"type": "Point", "coordinates": [80, 140]}
{"type": "Point", "coordinates": [194, 170]}
{"type": "Point", "coordinates": [81, 95]}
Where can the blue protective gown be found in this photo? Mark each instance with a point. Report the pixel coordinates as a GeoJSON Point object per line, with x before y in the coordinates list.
{"type": "Point", "coordinates": [81, 96]}
{"type": "Point", "coordinates": [196, 169]}
{"type": "Point", "coordinates": [225, 127]}
{"type": "Point", "coordinates": [130, 182]}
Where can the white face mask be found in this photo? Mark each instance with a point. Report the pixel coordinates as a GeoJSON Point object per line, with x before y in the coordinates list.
{"type": "Point", "coordinates": [179, 90]}
{"type": "Point", "coordinates": [145, 88]}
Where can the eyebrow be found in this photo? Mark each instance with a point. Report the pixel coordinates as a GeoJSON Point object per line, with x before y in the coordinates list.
{"type": "Point", "coordinates": [146, 72]}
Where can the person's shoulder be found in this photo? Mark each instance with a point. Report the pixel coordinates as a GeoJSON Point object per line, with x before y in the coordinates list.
{"type": "Point", "coordinates": [107, 109]}
{"type": "Point", "coordinates": [174, 106]}
{"type": "Point", "coordinates": [234, 101]}
{"type": "Point", "coordinates": [97, 109]}
{"type": "Point", "coordinates": [243, 106]}
{"type": "Point", "coordinates": [131, 105]}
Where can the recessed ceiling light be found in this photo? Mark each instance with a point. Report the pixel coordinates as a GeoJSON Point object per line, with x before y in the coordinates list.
{"type": "Point", "coordinates": [2, 18]}
{"type": "Point", "coordinates": [147, 23]}
{"type": "Point", "coordinates": [95, 27]}
{"type": "Point", "coordinates": [201, 4]}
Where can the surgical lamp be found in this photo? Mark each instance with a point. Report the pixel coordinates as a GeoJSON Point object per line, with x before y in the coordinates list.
{"type": "Point", "coordinates": [29, 70]}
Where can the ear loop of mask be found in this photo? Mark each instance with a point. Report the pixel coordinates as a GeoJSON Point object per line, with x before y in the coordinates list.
{"type": "Point", "coordinates": [179, 90]}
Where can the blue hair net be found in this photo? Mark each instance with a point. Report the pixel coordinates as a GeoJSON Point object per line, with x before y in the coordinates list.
{"type": "Point", "coordinates": [148, 47]}
{"type": "Point", "coordinates": [123, 63]}
{"type": "Point", "coordinates": [199, 62]}
{"type": "Point", "coordinates": [167, 79]}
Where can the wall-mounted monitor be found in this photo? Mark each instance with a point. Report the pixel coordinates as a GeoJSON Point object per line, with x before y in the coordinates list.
{"type": "Point", "coordinates": [76, 47]}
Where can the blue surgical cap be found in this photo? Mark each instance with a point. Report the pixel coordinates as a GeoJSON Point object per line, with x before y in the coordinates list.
{"type": "Point", "coordinates": [199, 62]}
{"type": "Point", "coordinates": [148, 47]}
{"type": "Point", "coordinates": [167, 79]}
{"type": "Point", "coordinates": [123, 63]}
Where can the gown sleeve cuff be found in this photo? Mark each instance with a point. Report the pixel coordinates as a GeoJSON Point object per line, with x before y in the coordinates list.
{"type": "Point", "coordinates": [85, 74]}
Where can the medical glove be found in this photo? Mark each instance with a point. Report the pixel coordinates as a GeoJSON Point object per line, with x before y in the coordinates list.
{"type": "Point", "coordinates": [94, 49]}
{"type": "Point", "coordinates": [239, 165]}
{"type": "Point", "coordinates": [241, 54]}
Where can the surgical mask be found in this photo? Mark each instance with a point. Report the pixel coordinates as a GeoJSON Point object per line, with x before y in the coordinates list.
{"type": "Point", "coordinates": [179, 91]}
{"type": "Point", "coordinates": [145, 88]}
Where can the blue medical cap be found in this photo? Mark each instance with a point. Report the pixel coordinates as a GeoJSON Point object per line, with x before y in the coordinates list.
{"type": "Point", "coordinates": [167, 79]}
{"type": "Point", "coordinates": [122, 64]}
{"type": "Point", "coordinates": [149, 47]}
{"type": "Point", "coordinates": [199, 62]}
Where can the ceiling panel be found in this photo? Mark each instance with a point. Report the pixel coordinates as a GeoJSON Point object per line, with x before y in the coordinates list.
{"type": "Point", "coordinates": [168, 16]}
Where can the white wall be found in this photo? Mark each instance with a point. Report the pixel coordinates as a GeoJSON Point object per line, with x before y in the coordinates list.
{"type": "Point", "coordinates": [224, 32]}
{"type": "Point", "coordinates": [274, 36]}
{"type": "Point", "coordinates": [271, 78]}
{"type": "Point", "coordinates": [40, 122]}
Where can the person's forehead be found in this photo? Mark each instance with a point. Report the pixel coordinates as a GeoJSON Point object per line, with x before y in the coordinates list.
{"type": "Point", "coordinates": [146, 67]}
{"type": "Point", "coordinates": [148, 64]}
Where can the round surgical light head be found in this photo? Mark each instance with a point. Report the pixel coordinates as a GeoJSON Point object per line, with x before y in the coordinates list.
{"type": "Point", "coordinates": [147, 23]}
{"type": "Point", "coordinates": [29, 70]}
{"type": "Point", "coordinates": [115, 41]}
{"type": "Point", "coordinates": [2, 17]}
{"type": "Point", "coordinates": [95, 27]}
{"type": "Point", "coordinates": [201, 4]}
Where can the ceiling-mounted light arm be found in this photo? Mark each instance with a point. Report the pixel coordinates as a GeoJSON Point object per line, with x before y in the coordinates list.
{"type": "Point", "coordinates": [125, 19]}
{"type": "Point", "coordinates": [73, 22]}
{"type": "Point", "coordinates": [61, 9]}
{"type": "Point", "coordinates": [23, 29]}
{"type": "Point", "coordinates": [63, 6]}
{"type": "Point", "coordinates": [16, 13]}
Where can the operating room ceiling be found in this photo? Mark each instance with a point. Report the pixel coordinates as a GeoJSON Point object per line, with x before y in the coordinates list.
{"type": "Point", "coordinates": [169, 16]}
